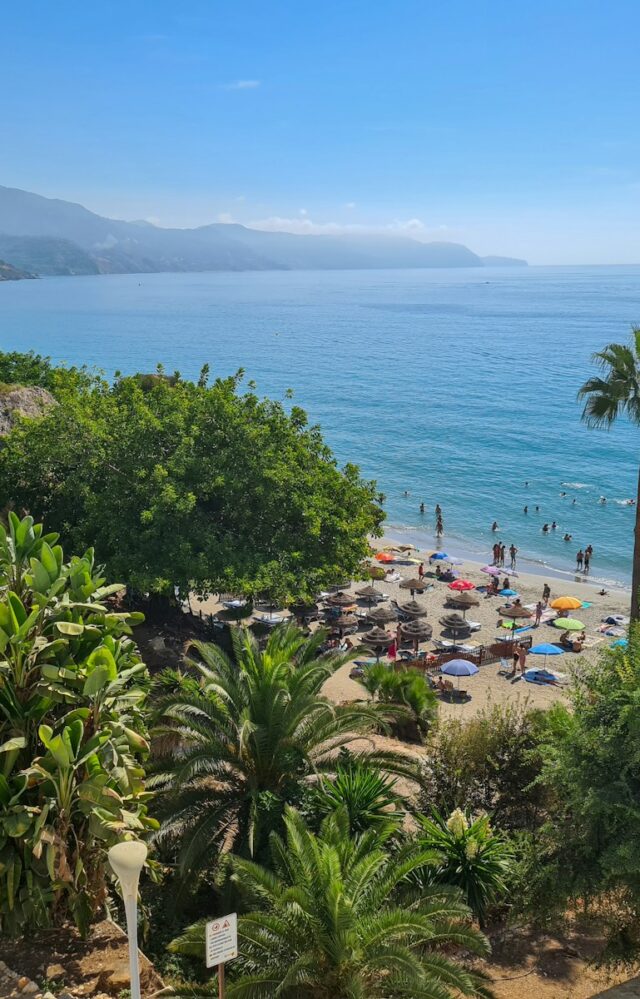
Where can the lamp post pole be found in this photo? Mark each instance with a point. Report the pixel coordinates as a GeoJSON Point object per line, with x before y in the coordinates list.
{"type": "Point", "coordinates": [127, 860]}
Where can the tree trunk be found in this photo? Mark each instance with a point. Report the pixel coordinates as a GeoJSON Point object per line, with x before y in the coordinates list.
{"type": "Point", "coordinates": [635, 580]}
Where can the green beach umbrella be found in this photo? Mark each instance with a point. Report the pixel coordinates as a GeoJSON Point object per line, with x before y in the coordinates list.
{"type": "Point", "coordinates": [568, 624]}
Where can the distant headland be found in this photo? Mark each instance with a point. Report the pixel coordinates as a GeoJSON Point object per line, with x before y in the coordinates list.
{"type": "Point", "coordinates": [46, 236]}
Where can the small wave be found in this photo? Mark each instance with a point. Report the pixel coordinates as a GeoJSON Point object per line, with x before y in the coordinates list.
{"type": "Point", "coordinates": [577, 485]}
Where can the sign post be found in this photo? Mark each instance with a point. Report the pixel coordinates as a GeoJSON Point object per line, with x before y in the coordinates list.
{"type": "Point", "coordinates": [221, 945]}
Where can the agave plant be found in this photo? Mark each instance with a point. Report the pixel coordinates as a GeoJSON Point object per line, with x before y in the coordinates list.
{"type": "Point", "coordinates": [326, 923]}
{"type": "Point", "coordinates": [241, 735]}
{"type": "Point", "coordinates": [72, 732]}
{"type": "Point", "coordinates": [466, 853]}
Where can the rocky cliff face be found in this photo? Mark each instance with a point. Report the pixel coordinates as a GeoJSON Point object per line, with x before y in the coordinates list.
{"type": "Point", "coordinates": [10, 273]}
{"type": "Point", "coordinates": [22, 400]}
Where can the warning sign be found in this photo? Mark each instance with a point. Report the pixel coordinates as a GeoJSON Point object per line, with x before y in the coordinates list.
{"type": "Point", "coordinates": [222, 939]}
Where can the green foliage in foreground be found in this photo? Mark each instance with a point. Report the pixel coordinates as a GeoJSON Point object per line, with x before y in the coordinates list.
{"type": "Point", "coordinates": [592, 766]}
{"type": "Point", "coordinates": [330, 922]}
{"type": "Point", "coordinates": [182, 484]}
{"type": "Point", "coordinates": [242, 736]}
{"type": "Point", "coordinates": [72, 732]}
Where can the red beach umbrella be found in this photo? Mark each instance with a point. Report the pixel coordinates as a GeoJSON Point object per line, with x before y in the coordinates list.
{"type": "Point", "coordinates": [461, 585]}
{"type": "Point", "coordinates": [384, 557]}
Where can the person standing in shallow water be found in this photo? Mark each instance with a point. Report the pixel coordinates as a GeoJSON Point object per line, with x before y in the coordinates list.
{"type": "Point", "coordinates": [579, 559]}
{"type": "Point", "coordinates": [513, 551]}
{"type": "Point", "coordinates": [503, 549]}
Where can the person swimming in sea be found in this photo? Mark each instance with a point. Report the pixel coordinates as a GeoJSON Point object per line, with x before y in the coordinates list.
{"type": "Point", "coordinates": [603, 500]}
{"type": "Point", "coordinates": [422, 508]}
{"type": "Point", "coordinates": [545, 528]}
{"type": "Point", "coordinates": [553, 526]}
{"type": "Point", "coordinates": [567, 537]}
{"type": "Point", "coordinates": [526, 509]}
{"type": "Point", "coordinates": [495, 526]}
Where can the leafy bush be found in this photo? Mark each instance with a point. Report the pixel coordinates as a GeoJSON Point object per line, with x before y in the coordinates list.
{"type": "Point", "coordinates": [592, 770]}
{"type": "Point", "coordinates": [72, 733]}
{"type": "Point", "coordinates": [489, 764]}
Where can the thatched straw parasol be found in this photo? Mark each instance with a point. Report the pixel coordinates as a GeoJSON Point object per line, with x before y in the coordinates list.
{"type": "Point", "coordinates": [417, 584]}
{"type": "Point", "coordinates": [467, 599]}
{"type": "Point", "coordinates": [382, 615]}
{"type": "Point", "coordinates": [515, 612]}
{"type": "Point", "coordinates": [418, 630]}
{"type": "Point", "coordinates": [369, 593]}
{"type": "Point", "coordinates": [413, 609]}
{"type": "Point", "coordinates": [377, 637]}
{"type": "Point", "coordinates": [341, 599]}
{"type": "Point", "coordinates": [345, 621]}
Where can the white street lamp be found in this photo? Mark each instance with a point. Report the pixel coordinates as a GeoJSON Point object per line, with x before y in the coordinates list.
{"type": "Point", "coordinates": [127, 860]}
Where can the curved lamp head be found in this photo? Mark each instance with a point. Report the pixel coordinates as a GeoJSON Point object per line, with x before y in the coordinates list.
{"type": "Point", "coordinates": [127, 860]}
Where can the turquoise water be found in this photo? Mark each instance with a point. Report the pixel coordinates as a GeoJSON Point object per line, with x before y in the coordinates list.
{"type": "Point", "coordinates": [456, 385]}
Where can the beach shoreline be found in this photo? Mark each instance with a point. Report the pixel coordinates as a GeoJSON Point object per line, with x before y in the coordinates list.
{"type": "Point", "coordinates": [425, 543]}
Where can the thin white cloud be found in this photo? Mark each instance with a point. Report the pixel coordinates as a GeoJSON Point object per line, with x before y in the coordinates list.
{"type": "Point", "coordinates": [303, 225]}
{"type": "Point", "coordinates": [225, 217]}
{"type": "Point", "coordinates": [242, 85]}
{"type": "Point", "coordinates": [350, 204]}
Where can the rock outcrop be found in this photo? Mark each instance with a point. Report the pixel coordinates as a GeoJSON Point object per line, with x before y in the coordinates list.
{"type": "Point", "coordinates": [22, 400]}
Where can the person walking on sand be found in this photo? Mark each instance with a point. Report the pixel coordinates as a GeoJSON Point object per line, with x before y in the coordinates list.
{"type": "Point", "coordinates": [546, 593]}
{"type": "Point", "coordinates": [539, 610]}
{"type": "Point", "coordinates": [579, 559]}
{"type": "Point", "coordinates": [522, 656]}
{"type": "Point", "coordinates": [421, 570]}
{"type": "Point", "coordinates": [513, 551]}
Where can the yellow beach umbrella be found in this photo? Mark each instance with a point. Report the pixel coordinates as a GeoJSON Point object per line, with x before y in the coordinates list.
{"type": "Point", "coordinates": [566, 603]}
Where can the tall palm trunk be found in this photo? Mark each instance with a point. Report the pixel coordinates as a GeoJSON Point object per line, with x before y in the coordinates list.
{"type": "Point", "coordinates": [635, 579]}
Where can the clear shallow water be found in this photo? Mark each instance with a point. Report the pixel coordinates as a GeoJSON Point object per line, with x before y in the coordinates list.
{"type": "Point", "coordinates": [456, 385]}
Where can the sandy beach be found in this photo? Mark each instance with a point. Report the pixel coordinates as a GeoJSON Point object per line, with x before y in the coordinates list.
{"type": "Point", "coordinates": [487, 687]}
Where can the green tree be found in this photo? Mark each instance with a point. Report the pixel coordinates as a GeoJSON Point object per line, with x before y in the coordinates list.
{"type": "Point", "coordinates": [72, 731]}
{"type": "Point", "coordinates": [240, 739]}
{"type": "Point", "coordinates": [588, 855]}
{"type": "Point", "coordinates": [465, 852]}
{"type": "Point", "coordinates": [608, 397]}
{"type": "Point", "coordinates": [194, 486]}
{"type": "Point", "coordinates": [327, 923]}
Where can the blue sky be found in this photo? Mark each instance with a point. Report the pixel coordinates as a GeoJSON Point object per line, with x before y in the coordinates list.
{"type": "Point", "coordinates": [511, 126]}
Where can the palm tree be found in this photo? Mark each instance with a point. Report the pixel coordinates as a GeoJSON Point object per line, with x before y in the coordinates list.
{"type": "Point", "coordinates": [327, 925]}
{"type": "Point", "coordinates": [241, 736]}
{"type": "Point", "coordinates": [608, 397]}
{"type": "Point", "coordinates": [368, 796]}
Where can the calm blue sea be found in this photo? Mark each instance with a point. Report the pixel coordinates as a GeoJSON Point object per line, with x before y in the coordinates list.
{"type": "Point", "coordinates": [455, 385]}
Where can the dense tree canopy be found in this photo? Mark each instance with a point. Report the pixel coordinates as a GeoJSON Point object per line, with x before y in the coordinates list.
{"type": "Point", "coordinates": [182, 484]}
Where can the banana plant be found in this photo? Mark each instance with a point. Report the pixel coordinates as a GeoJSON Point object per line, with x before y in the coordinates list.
{"type": "Point", "coordinates": [72, 730]}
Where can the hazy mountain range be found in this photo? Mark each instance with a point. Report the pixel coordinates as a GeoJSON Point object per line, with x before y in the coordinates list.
{"type": "Point", "coordinates": [47, 236]}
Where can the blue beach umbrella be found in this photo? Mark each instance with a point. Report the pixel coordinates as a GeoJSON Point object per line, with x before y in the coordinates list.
{"type": "Point", "coordinates": [459, 667]}
{"type": "Point", "coordinates": [545, 649]}
{"type": "Point", "coordinates": [508, 593]}
{"type": "Point", "coordinates": [439, 557]}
